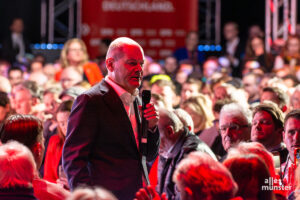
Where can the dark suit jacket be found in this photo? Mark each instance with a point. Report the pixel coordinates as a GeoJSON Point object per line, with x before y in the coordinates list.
{"type": "Point", "coordinates": [9, 53]}
{"type": "Point", "coordinates": [100, 147]}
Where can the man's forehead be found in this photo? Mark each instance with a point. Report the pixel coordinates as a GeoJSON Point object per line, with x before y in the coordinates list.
{"type": "Point", "coordinates": [229, 118]}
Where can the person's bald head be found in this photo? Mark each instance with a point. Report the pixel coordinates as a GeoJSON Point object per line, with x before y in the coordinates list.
{"type": "Point", "coordinates": [115, 49]}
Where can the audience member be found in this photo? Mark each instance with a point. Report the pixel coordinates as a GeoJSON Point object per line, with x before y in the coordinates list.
{"type": "Point", "coordinates": [233, 48]}
{"type": "Point", "coordinates": [185, 118]}
{"type": "Point", "coordinates": [26, 97]}
{"type": "Point", "coordinates": [176, 142]}
{"type": "Point", "coordinates": [200, 177]}
{"type": "Point", "coordinates": [199, 108]}
{"type": "Point", "coordinates": [16, 45]}
{"type": "Point", "coordinates": [192, 87]}
{"type": "Point", "coordinates": [69, 77]}
{"type": "Point", "coordinates": [291, 138]}
{"type": "Point", "coordinates": [190, 52]}
{"type": "Point", "coordinates": [290, 55]}
{"type": "Point", "coordinates": [251, 85]}
{"type": "Point", "coordinates": [167, 90]}
{"type": "Point", "coordinates": [276, 95]}
{"type": "Point", "coordinates": [15, 75]}
{"type": "Point", "coordinates": [255, 50]}
{"type": "Point", "coordinates": [267, 127]}
{"type": "Point", "coordinates": [250, 184]}
{"type": "Point", "coordinates": [74, 54]}
{"type": "Point", "coordinates": [96, 193]}
{"type": "Point", "coordinates": [18, 171]}
{"type": "Point", "coordinates": [171, 66]}
{"type": "Point", "coordinates": [235, 125]}
{"type": "Point", "coordinates": [28, 130]}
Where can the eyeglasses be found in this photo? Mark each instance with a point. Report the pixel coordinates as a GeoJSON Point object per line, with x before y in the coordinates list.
{"type": "Point", "coordinates": [77, 50]}
{"type": "Point", "coordinates": [231, 127]}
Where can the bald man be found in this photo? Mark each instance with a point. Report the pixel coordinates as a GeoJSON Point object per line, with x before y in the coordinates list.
{"type": "Point", "coordinates": [103, 139]}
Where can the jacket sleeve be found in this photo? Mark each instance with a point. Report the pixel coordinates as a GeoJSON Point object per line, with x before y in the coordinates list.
{"type": "Point", "coordinates": [153, 145]}
{"type": "Point", "coordinates": [81, 132]}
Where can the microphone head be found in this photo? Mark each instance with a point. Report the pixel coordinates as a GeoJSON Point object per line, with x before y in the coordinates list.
{"type": "Point", "coordinates": [146, 96]}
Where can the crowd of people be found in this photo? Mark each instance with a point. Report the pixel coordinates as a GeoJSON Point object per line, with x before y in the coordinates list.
{"type": "Point", "coordinates": [221, 127]}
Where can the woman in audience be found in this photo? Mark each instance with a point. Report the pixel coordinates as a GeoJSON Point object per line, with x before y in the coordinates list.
{"type": "Point", "coordinates": [74, 54]}
{"type": "Point", "coordinates": [53, 168]}
{"type": "Point", "coordinates": [290, 55]}
{"type": "Point", "coordinates": [200, 109]}
{"type": "Point", "coordinates": [255, 51]}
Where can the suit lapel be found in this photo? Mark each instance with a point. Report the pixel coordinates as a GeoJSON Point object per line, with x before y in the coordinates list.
{"type": "Point", "coordinates": [115, 104]}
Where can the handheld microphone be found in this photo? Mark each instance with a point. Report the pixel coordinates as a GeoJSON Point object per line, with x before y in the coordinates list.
{"type": "Point", "coordinates": [146, 96]}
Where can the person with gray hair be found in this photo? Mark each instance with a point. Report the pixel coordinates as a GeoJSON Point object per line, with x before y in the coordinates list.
{"type": "Point", "coordinates": [176, 142]}
{"type": "Point", "coordinates": [200, 177]}
{"type": "Point", "coordinates": [17, 172]}
{"type": "Point", "coordinates": [96, 193]}
{"type": "Point", "coordinates": [185, 118]}
{"type": "Point", "coordinates": [235, 124]}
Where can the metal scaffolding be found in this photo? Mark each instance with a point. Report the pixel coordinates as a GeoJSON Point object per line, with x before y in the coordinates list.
{"type": "Point", "coordinates": [53, 29]}
{"type": "Point", "coordinates": [210, 21]}
{"type": "Point", "coordinates": [280, 21]}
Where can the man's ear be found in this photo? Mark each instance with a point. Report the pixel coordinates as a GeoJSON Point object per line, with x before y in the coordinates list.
{"type": "Point", "coordinates": [110, 64]}
{"type": "Point", "coordinates": [170, 130]}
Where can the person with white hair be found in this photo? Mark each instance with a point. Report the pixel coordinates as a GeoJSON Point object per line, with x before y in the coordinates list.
{"type": "Point", "coordinates": [176, 142]}
{"type": "Point", "coordinates": [17, 172]}
{"type": "Point", "coordinates": [96, 193]}
{"type": "Point", "coordinates": [185, 118]}
{"type": "Point", "coordinates": [234, 125]}
{"type": "Point", "coordinates": [200, 177]}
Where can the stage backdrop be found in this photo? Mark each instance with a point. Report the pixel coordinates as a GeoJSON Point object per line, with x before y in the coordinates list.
{"type": "Point", "coordinates": [159, 26]}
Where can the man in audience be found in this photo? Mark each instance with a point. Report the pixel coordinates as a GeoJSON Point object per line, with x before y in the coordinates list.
{"type": "Point", "coordinates": [233, 48]}
{"type": "Point", "coordinates": [251, 85]}
{"type": "Point", "coordinates": [176, 142]}
{"type": "Point", "coordinates": [26, 97]}
{"type": "Point", "coordinates": [70, 77]}
{"type": "Point", "coordinates": [267, 127]}
{"type": "Point", "coordinates": [16, 45]}
{"type": "Point", "coordinates": [234, 125]}
{"type": "Point", "coordinates": [192, 87]}
{"type": "Point", "coordinates": [28, 130]}
{"type": "Point", "coordinates": [166, 89]}
{"type": "Point", "coordinates": [291, 138]}
{"type": "Point", "coordinates": [15, 76]}
{"type": "Point", "coordinates": [275, 95]}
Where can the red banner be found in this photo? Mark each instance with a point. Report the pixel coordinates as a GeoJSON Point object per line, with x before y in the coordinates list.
{"type": "Point", "coordinates": [159, 26]}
